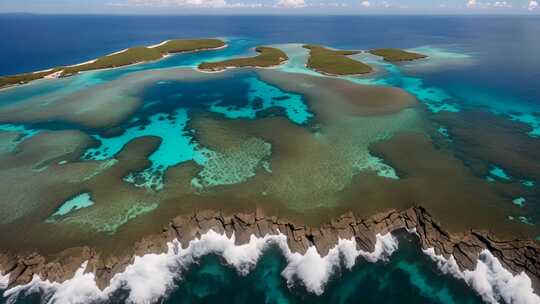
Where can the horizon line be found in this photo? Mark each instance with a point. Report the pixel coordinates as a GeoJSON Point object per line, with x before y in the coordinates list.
{"type": "Point", "coordinates": [278, 13]}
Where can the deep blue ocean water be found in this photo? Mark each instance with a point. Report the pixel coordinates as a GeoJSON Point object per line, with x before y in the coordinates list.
{"type": "Point", "coordinates": [407, 278]}
{"type": "Point", "coordinates": [505, 76]}
{"type": "Point", "coordinates": [507, 45]}
{"type": "Point", "coordinates": [505, 48]}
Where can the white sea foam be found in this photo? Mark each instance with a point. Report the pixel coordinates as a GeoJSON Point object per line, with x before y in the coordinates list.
{"type": "Point", "coordinates": [4, 281]}
{"type": "Point", "coordinates": [490, 279]}
{"type": "Point", "coordinates": [314, 271]}
{"type": "Point", "coordinates": [151, 276]}
{"type": "Point", "coordinates": [412, 231]}
{"type": "Point", "coordinates": [384, 247]}
{"type": "Point", "coordinates": [81, 288]}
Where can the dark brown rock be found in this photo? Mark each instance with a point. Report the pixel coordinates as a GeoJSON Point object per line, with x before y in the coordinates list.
{"type": "Point", "coordinates": [515, 254]}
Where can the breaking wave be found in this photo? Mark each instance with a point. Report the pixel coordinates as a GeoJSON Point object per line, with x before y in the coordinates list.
{"type": "Point", "coordinates": [152, 276]}
{"type": "Point", "coordinates": [4, 280]}
{"type": "Point", "coordinates": [490, 279]}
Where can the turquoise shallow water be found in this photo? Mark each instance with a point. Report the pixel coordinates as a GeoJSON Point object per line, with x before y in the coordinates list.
{"type": "Point", "coordinates": [166, 114]}
{"type": "Point", "coordinates": [82, 200]}
{"type": "Point", "coordinates": [176, 146]}
{"type": "Point", "coordinates": [472, 83]}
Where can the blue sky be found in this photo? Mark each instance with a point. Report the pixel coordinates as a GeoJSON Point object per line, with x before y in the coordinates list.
{"type": "Point", "coordinates": [272, 6]}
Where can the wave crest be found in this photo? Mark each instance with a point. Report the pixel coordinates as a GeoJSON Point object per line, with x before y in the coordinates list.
{"type": "Point", "coordinates": [490, 279]}
{"type": "Point", "coordinates": [152, 276]}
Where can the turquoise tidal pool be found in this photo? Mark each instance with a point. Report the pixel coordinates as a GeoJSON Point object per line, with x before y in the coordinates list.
{"type": "Point", "coordinates": [82, 200]}
{"type": "Point", "coordinates": [167, 105]}
{"type": "Point", "coordinates": [166, 113]}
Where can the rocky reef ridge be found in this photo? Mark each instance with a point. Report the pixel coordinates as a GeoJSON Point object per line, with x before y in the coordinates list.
{"type": "Point", "coordinates": [516, 255]}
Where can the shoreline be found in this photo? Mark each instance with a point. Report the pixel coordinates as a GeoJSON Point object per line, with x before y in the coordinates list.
{"type": "Point", "coordinates": [261, 59]}
{"type": "Point", "coordinates": [457, 254]}
{"type": "Point", "coordinates": [241, 67]}
{"type": "Point", "coordinates": [58, 74]}
{"type": "Point", "coordinates": [332, 62]}
{"type": "Point", "coordinates": [395, 55]}
{"type": "Point", "coordinates": [86, 62]}
{"type": "Point", "coordinates": [158, 44]}
{"type": "Point", "coordinates": [373, 71]}
{"type": "Point", "coordinates": [465, 256]}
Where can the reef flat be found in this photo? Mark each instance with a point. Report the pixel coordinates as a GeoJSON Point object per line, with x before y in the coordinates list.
{"type": "Point", "coordinates": [267, 57]}
{"type": "Point", "coordinates": [335, 62]}
{"type": "Point", "coordinates": [86, 107]}
{"type": "Point", "coordinates": [125, 57]}
{"type": "Point", "coordinates": [507, 144]}
{"type": "Point", "coordinates": [462, 250]}
{"type": "Point", "coordinates": [396, 55]}
{"type": "Point", "coordinates": [145, 163]}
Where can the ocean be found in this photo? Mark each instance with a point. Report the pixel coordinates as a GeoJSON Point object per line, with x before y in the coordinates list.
{"type": "Point", "coordinates": [482, 62]}
{"type": "Point", "coordinates": [505, 48]}
{"type": "Point", "coordinates": [408, 277]}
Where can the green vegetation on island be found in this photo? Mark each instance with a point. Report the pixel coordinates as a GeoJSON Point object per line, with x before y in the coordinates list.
{"type": "Point", "coordinates": [396, 55]}
{"type": "Point", "coordinates": [335, 62]}
{"type": "Point", "coordinates": [126, 57]}
{"type": "Point", "coordinates": [267, 57]}
{"type": "Point", "coordinates": [24, 78]}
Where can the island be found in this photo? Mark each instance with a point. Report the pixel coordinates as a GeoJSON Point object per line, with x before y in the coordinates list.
{"type": "Point", "coordinates": [112, 183]}
{"type": "Point", "coordinates": [396, 55]}
{"type": "Point", "coordinates": [267, 57]}
{"type": "Point", "coordinates": [125, 57]}
{"type": "Point", "coordinates": [335, 62]}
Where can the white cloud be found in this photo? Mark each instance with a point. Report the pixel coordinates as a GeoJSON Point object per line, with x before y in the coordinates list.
{"type": "Point", "coordinates": [488, 4]}
{"type": "Point", "coordinates": [188, 3]}
{"type": "Point", "coordinates": [202, 3]}
{"type": "Point", "coordinates": [291, 3]}
{"type": "Point", "coordinates": [502, 4]}
{"type": "Point", "coordinates": [531, 5]}
{"type": "Point", "coordinates": [245, 5]}
{"type": "Point", "coordinates": [376, 4]}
